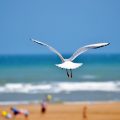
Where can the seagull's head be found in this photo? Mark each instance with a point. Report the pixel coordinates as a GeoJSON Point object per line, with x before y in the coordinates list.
{"type": "Point", "coordinates": [66, 60]}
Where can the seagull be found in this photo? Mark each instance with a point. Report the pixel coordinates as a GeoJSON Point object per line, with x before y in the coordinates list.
{"type": "Point", "coordinates": [68, 64]}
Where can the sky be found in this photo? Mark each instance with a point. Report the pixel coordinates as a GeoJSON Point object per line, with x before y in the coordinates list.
{"type": "Point", "coordinates": [64, 24]}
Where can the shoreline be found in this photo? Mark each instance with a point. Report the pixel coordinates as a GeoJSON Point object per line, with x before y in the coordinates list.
{"type": "Point", "coordinates": [57, 102]}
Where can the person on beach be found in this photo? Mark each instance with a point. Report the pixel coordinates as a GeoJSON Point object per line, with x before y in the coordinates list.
{"type": "Point", "coordinates": [15, 111]}
{"type": "Point", "coordinates": [19, 112]}
{"type": "Point", "coordinates": [43, 106]}
{"type": "Point", "coordinates": [84, 114]}
{"type": "Point", "coordinates": [25, 113]}
{"type": "Point", "coordinates": [6, 115]}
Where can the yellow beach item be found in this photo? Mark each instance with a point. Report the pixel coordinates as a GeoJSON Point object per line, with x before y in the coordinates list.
{"type": "Point", "coordinates": [4, 113]}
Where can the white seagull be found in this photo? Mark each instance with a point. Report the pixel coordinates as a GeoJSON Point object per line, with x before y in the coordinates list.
{"type": "Point", "coordinates": [68, 64]}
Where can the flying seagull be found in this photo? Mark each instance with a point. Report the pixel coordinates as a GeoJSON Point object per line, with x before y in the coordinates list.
{"type": "Point", "coordinates": [68, 64]}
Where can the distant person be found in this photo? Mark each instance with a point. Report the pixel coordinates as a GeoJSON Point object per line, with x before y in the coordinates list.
{"type": "Point", "coordinates": [84, 114]}
{"type": "Point", "coordinates": [15, 111]}
{"type": "Point", "coordinates": [25, 113]}
{"type": "Point", "coordinates": [6, 115]}
{"type": "Point", "coordinates": [43, 106]}
{"type": "Point", "coordinates": [19, 112]}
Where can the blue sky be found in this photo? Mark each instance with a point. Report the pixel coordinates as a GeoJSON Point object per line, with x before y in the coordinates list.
{"type": "Point", "coordinates": [64, 24]}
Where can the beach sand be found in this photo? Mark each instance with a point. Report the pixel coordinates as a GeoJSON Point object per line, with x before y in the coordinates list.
{"type": "Point", "coordinates": [93, 111]}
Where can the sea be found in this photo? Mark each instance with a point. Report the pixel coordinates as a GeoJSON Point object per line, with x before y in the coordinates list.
{"type": "Point", "coordinates": [30, 78]}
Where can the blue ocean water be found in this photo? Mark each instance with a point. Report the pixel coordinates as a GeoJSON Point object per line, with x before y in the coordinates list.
{"type": "Point", "coordinates": [30, 77]}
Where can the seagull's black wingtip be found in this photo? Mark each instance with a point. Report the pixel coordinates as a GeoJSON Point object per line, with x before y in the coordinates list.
{"type": "Point", "coordinates": [107, 44]}
{"type": "Point", "coordinates": [32, 39]}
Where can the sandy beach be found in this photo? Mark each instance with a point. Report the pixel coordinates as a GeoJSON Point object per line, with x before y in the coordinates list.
{"type": "Point", "coordinates": [94, 111]}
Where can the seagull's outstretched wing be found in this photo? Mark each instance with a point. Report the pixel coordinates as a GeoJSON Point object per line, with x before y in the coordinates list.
{"type": "Point", "coordinates": [51, 48]}
{"type": "Point", "coordinates": [85, 48]}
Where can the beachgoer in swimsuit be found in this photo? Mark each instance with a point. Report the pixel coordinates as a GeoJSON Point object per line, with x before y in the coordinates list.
{"type": "Point", "coordinates": [43, 106]}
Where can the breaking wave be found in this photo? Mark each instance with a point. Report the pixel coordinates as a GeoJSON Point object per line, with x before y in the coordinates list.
{"type": "Point", "coordinates": [58, 87]}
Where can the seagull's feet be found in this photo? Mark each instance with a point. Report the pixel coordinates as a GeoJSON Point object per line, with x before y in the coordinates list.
{"type": "Point", "coordinates": [67, 74]}
{"type": "Point", "coordinates": [71, 75]}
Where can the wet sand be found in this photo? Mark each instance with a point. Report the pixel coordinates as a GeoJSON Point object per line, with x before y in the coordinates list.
{"type": "Point", "coordinates": [92, 111]}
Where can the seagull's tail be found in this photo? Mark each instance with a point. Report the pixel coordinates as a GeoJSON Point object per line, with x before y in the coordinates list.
{"type": "Point", "coordinates": [69, 65]}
